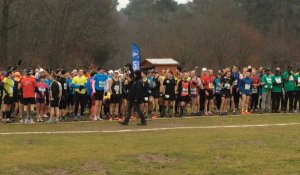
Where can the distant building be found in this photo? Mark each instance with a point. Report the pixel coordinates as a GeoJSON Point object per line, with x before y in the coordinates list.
{"type": "Point", "coordinates": [159, 64]}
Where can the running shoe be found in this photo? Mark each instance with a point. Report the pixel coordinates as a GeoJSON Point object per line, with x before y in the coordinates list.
{"type": "Point", "coordinates": [31, 121]}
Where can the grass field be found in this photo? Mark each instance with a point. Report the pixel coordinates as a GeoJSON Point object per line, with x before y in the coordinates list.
{"type": "Point", "coordinates": [270, 149]}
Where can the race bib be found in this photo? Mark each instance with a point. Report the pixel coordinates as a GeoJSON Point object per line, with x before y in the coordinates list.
{"type": "Point", "coordinates": [298, 79]}
{"type": "Point", "coordinates": [11, 89]}
{"type": "Point", "coordinates": [254, 91]}
{"type": "Point", "coordinates": [193, 90]}
{"type": "Point", "coordinates": [269, 80]}
{"type": "Point", "coordinates": [42, 89]}
{"type": "Point", "coordinates": [278, 80]}
{"type": "Point", "coordinates": [227, 85]}
{"type": "Point", "coordinates": [291, 78]}
{"type": "Point", "coordinates": [117, 89]}
{"type": "Point", "coordinates": [185, 91]}
{"type": "Point", "coordinates": [210, 85]}
{"type": "Point", "coordinates": [65, 86]}
{"type": "Point", "coordinates": [101, 84]}
{"type": "Point", "coordinates": [247, 86]}
{"type": "Point", "coordinates": [167, 96]}
{"type": "Point", "coordinates": [235, 83]}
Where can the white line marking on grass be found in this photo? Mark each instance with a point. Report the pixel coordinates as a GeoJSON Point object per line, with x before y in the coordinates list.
{"type": "Point", "coordinates": [189, 117]}
{"type": "Point", "coordinates": [150, 129]}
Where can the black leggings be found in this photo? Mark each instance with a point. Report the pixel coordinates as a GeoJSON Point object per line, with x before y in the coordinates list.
{"type": "Point", "coordinates": [218, 101]}
{"type": "Point", "coordinates": [254, 101]}
{"type": "Point", "coordinates": [236, 96]}
{"type": "Point", "coordinates": [297, 100]}
{"type": "Point", "coordinates": [137, 108]}
{"type": "Point", "coordinates": [276, 99]}
{"type": "Point", "coordinates": [202, 99]}
{"type": "Point", "coordinates": [289, 99]}
{"type": "Point", "coordinates": [80, 99]}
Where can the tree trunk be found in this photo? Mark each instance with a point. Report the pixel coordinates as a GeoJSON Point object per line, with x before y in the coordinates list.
{"type": "Point", "coordinates": [4, 33]}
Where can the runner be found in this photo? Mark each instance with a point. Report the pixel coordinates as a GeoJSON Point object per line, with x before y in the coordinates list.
{"type": "Point", "coordinates": [235, 100]}
{"type": "Point", "coordinates": [266, 91]}
{"type": "Point", "coordinates": [54, 97]}
{"type": "Point", "coordinates": [28, 87]}
{"type": "Point", "coordinates": [145, 107]}
{"type": "Point", "coordinates": [226, 90]}
{"type": "Point", "coordinates": [277, 91]}
{"type": "Point", "coordinates": [169, 97]}
{"type": "Point", "coordinates": [184, 92]}
{"type": "Point", "coordinates": [17, 95]}
{"type": "Point", "coordinates": [151, 98]}
{"type": "Point", "coordinates": [155, 93]}
{"type": "Point", "coordinates": [246, 89]}
{"type": "Point", "coordinates": [161, 91]}
{"type": "Point", "coordinates": [125, 89]}
{"type": "Point", "coordinates": [70, 99]}
{"type": "Point", "coordinates": [80, 94]}
{"type": "Point", "coordinates": [116, 96]}
{"type": "Point", "coordinates": [218, 87]}
{"type": "Point", "coordinates": [48, 82]}
{"type": "Point", "coordinates": [289, 87]}
{"type": "Point", "coordinates": [177, 100]}
{"type": "Point", "coordinates": [255, 91]}
{"type": "Point", "coordinates": [208, 82]}
{"type": "Point", "coordinates": [40, 96]}
{"type": "Point", "coordinates": [100, 81]}
{"type": "Point", "coordinates": [8, 86]}
{"type": "Point", "coordinates": [195, 83]}
{"type": "Point", "coordinates": [64, 97]}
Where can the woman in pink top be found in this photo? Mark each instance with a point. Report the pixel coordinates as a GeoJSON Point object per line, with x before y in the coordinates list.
{"type": "Point", "coordinates": [40, 97]}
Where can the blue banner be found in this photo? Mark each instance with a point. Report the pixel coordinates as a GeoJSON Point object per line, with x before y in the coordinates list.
{"type": "Point", "coordinates": [136, 57]}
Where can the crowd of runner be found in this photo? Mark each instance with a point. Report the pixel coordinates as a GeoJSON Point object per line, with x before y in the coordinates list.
{"type": "Point", "coordinates": [53, 96]}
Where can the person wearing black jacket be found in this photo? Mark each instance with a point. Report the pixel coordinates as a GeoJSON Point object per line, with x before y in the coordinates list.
{"type": "Point", "coordinates": [135, 98]}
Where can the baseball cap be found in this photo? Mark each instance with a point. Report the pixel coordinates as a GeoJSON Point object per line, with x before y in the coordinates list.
{"type": "Point", "coordinates": [74, 71]}
{"type": "Point", "coordinates": [204, 69]}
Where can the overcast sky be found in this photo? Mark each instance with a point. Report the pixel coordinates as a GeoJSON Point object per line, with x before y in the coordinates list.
{"type": "Point", "coordinates": [123, 3]}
